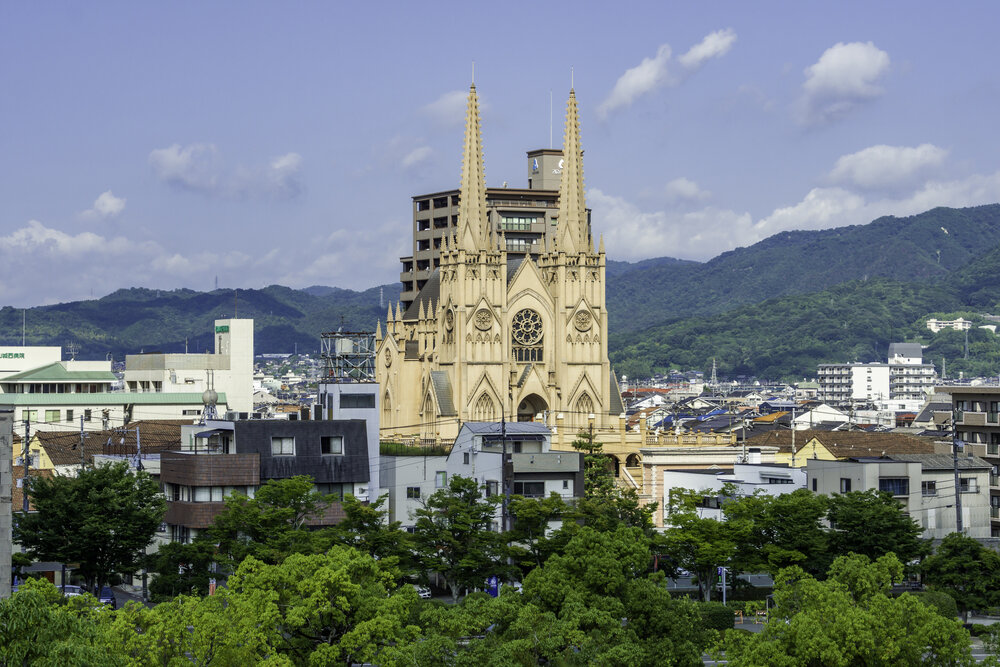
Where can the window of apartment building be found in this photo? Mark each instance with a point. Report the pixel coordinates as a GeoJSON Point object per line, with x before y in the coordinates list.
{"type": "Point", "coordinates": [845, 484]}
{"type": "Point", "coordinates": [529, 489]}
{"type": "Point", "coordinates": [357, 400]}
{"type": "Point", "coordinates": [87, 415]}
{"type": "Point", "coordinates": [897, 486]}
{"type": "Point", "coordinates": [69, 415]}
{"type": "Point", "coordinates": [565, 484]}
{"type": "Point", "coordinates": [994, 415]}
{"type": "Point", "coordinates": [335, 489]}
{"type": "Point", "coordinates": [413, 492]}
{"type": "Point", "coordinates": [331, 444]}
{"type": "Point", "coordinates": [960, 408]}
{"type": "Point", "coordinates": [282, 446]}
{"type": "Point", "coordinates": [30, 415]}
{"type": "Point", "coordinates": [968, 485]}
{"type": "Point", "coordinates": [492, 487]}
{"type": "Point", "coordinates": [180, 534]}
{"type": "Point", "coordinates": [518, 223]}
{"type": "Point", "coordinates": [207, 494]}
{"type": "Point", "coordinates": [815, 484]}
{"type": "Point", "coordinates": [928, 488]}
{"type": "Point", "coordinates": [440, 479]}
{"type": "Point", "coordinates": [465, 458]}
{"type": "Point", "coordinates": [423, 204]}
{"type": "Point", "coordinates": [777, 480]}
{"type": "Point", "coordinates": [51, 416]}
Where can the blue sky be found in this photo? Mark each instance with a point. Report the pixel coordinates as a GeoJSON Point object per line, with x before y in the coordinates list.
{"type": "Point", "coordinates": [164, 144]}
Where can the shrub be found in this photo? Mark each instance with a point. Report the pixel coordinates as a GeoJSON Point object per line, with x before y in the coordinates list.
{"type": "Point", "coordinates": [978, 629]}
{"type": "Point", "coordinates": [716, 616]}
{"type": "Point", "coordinates": [939, 601]}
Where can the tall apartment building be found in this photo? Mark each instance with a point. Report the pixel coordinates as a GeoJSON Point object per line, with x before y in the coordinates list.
{"type": "Point", "coordinates": [902, 383]}
{"type": "Point", "coordinates": [976, 420]}
{"type": "Point", "coordinates": [524, 216]}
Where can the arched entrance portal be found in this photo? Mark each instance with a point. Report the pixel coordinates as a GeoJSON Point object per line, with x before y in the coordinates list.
{"type": "Point", "coordinates": [531, 408]}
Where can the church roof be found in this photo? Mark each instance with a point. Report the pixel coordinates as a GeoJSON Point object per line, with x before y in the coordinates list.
{"type": "Point", "coordinates": [428, 296]}
{"type": "Point", "coordinates": [615, 397]}
{"type": "Point", "coordinates": [512, 428]}
{"type": "Point", "coordinates": [442, 392]}
{"type": "Point", "coordinates": [513, 264]}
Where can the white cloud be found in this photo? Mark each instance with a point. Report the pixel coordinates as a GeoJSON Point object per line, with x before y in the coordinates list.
{"type": "Point", "coordinates": [105, 206]}
{"type": "Point", "coordinates": [881, 166]}
{"type": "Point", "coordinates": [198, 168]}
{"type": "Point", "coordinates": [449, 109]}
{"type": "Point", "coordinates": [192, 167]}
{"type": "Point", "coordinates": [684, 189]}
{"type": "Point", "coordinates": [714, 45]}
{"type": "Point", "coordinates": [416, 156]}
{"type": "Point", "coordinates": [845, 76]}
{"type": "Point", "coordinates": [655, 72]}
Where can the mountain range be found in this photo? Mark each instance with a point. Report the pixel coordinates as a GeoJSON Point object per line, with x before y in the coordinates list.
{"type": "Point", "coordinates": [774, 309]}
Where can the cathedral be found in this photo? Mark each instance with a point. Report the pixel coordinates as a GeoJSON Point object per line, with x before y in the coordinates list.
{"type": "Point", "coordinates": [494, 334]}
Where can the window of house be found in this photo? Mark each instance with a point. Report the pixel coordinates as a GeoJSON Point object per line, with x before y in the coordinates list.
{"type": "Point", "coordinates": [413, 492]}
{"type": "Point", "coordinates": [897, 486]}
{"type": "Point", "coordinates": [51, 416]}
{"type": "Point", "coordinates": [968, 485]}
{"type": "Point", "coordinates": [845, 484]}
{"type": "Point", "coordinates": [815, 484]}
{"type": "Point", "coordinates": [335, 489]}
{"type": "Point", "coordinates": [529, 489]}
{"type": "Point", "coordinates": [357, 400]}
{"type": "Point", "coordinates": [87, 415]}
{"type": "Point", "coordinates": [465, 458]}
{"type": "Point", "coordinates": [69, 415]}
{"type": "Point", "coordinates": [440, 479]}
{"type": "Point", "coordinates": [492, 487]}
{"type": "Point", "coordinates": [282, 446]}
{"type": "Point", "coordinates": [331, 444]}
{"type": "Point", "coordinates": [928, 488]}
{"type": "Point", "coordinates": [31, 416]}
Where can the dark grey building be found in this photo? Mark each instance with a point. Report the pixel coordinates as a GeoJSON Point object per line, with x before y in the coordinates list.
{"type": "Point", "coordinates": [219, 458]}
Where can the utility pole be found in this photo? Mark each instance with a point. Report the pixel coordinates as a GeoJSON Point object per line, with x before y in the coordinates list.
{"type": "Point", "coordinates": [505, 518]}
{"type": "Point", "coordinates": [6, 499]}
{"type": "Point", "coordinates": [955, 445]}
{"type": "Point", "coordinates": [793, 436]}
{"type": "Point", "coordinates": [138, 450]}
{"type": "Point", "coordinates": [24, 457]}
{"type": "Point", "coordinates": [83, 458]}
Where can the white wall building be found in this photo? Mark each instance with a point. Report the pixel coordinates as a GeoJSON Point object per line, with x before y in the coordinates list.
{"type": "Point", "coordinates": [901, 384]}
{"type": "Point", "coordinates": [960, 324]}
{"type": "Point", "coordinates": [229, 368]}
{"type": "Point", "coordinates": [924, 484]}
{"type": "Point", "coordinates": [747, 478]}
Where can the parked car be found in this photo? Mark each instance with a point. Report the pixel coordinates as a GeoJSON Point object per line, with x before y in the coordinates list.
{"type": "Point", "coordinates": [70, 591]}
{"type": "Point", "coordinates": [107, 597]}
{"type": "Point", "coordinates": [423, 592]}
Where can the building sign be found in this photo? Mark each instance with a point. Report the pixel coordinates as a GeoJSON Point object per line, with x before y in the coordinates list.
{"type": "Point", "coordinates": [11, 355]}
{"type": "Point", "coordinates": [222, 328]}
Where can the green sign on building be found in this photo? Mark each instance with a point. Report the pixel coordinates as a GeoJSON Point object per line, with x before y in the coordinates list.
{"type": "Point", "coordinates": [222, 328]}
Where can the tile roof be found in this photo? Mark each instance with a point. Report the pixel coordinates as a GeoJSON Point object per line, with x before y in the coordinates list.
{"type": "Point", "coordinates": [513, 428]}
{"type": "Point", "coordinates": [56, 371]}
{"type": "Point", "coordinates": [943, 461]}
{"type": "Point", "coordinates": [109, 398]}
{"type": "Point", "coordinates": [843, 444]}
{"type": "Point", "coordinates": [63, 447]}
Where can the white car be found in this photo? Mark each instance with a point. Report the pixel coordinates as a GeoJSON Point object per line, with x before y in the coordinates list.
{"type": "Point", "coordinates": [423, 592]}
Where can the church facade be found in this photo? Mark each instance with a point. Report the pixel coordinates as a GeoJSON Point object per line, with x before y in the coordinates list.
{"type": "Point", "coordinates": [494, 334]}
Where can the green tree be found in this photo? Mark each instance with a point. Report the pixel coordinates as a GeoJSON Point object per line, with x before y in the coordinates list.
{"type": "Point", "coordinates": [965, 570]}
{"type": "Point", "coordinates": [454, 535]}
{"type": "Point", "coordinates": [531, 538]}
{"type": "Point", "coordinates": [102, 519]}
{"type": "Point", "coordinates": [181, 569]}
{"type": "Point", "coordinates": [272, 524]}
{"type": "Point", "coordinates": [367, 528]}
{"type": "Point", "coordinates": [606, 505]}
{"type": "Point", "coordinates": [37, 627]}
{"type": "Point", "coordinates": [850, 619]}
{"type": "Point", "coordinates": [872, 523]}
{"type": "Point", "coordinates": [697, 543]}
{"type": "Point", "coordinates": [784, 530]}
{"type": "Point", "coordinates": [592, 604]}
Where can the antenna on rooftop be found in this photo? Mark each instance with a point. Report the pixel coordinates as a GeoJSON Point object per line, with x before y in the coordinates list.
{"type": "Point", "coordinates": [550, 118]}
{"type": "Point", "coordinates": [73, 348]}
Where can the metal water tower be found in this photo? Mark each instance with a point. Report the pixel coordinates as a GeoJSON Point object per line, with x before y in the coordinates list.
{"type": "Point", "coordinates": [349, 356]}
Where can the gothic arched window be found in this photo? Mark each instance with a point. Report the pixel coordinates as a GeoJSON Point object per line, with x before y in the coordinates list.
{"type": "Point", "coordinates": [584, 408]}
{"type": "Point", "coordinates": [484, 410]}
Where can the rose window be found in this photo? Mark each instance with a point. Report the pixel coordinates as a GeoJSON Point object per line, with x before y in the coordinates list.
{"type": "Point", "coordinates": [526, 327]}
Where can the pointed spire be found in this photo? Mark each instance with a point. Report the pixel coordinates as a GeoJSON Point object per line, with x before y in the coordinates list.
{"type": "Point", "coordinates": [444, 244]}
{"type": "Point", "coordinates": [601, 248]}
{"type": "Point", "coordinates": [388, 317]}
{"type": "Point", "coordinates": [378, 330]}
{"type": "Point", "coordinates": [472, 190]}
{"type": "Point", "coordinates": [572, 232]}
{"type": "Point", "coordinates": [399, 312]}
{"type": "Point", "coordinates": [421, 313]}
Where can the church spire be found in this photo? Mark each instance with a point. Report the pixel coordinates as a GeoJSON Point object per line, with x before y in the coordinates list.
{"type": "Point", "coordinates": [572, 234]}
{"type": "Point", "coordinates": [472, 191]}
